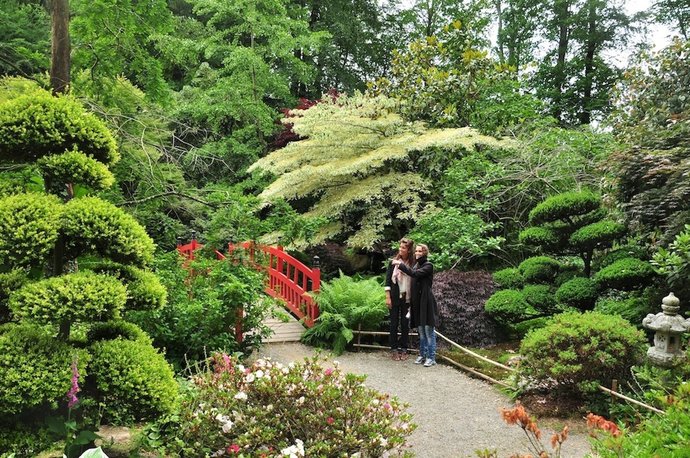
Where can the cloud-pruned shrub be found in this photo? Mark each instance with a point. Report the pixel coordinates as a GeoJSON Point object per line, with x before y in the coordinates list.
{"type": "Point", "coordinates": [75, 167]}
{"type": "Point", "coordinates": [539, 269]}
{"type": "Point", "coordinates": [508, 278]}
{"type": "Point", "coordinates": [580, 292]}
{"type": "Point", "coordinates": [144, 289]}
{"type": "Point", "coordinates": [460, 297]}
{"type": "Point", "coordinates": [509, 306]}
{"type": "Point", "coordinates": [576, 352]}
{"type": "Point", "coordinates": [625, 274]}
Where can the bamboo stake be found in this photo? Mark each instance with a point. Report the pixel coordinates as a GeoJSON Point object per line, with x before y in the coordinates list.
{"type": "Point", "coordinates": [472, 371]}
{"type": "Point", "coordinates": [469, 352]}
{"type": "Point", "coordinates": [633, 401]}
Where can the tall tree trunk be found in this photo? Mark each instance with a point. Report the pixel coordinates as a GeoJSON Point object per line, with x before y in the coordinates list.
{"type": "Point", "coordinates": [585, 116]}
{"type": "Point", "coordinates": [563, 18]}
{"type": "Point", "coordinates": [60, 52]}
{"type": "Point", "coordinates": [499, 34]}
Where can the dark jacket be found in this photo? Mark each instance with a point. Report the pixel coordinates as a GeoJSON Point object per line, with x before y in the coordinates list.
{"type": "Point", "coordinates": [394, 288]}
{"type": "Point", "coordinates": [424, 309]}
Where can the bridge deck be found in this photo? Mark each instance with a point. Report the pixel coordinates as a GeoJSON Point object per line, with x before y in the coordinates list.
{"type": "Point", "coordinates": [284, 331]}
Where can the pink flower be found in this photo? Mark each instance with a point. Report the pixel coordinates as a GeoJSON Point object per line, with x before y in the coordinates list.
{"type": "Point", "coordinates": [387, 406]}
{"type": "Point", "coordinates": [328, 371]}
{"type": "Point", "coordinates": [234, 448]}
{"type": "Point", "coordinates": [74, 389]}
{"type": "Point", "coordinates": [330, 420]}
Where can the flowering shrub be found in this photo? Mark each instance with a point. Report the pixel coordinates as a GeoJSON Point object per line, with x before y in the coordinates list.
{"type": "Point", "coordinates": [272, 410]}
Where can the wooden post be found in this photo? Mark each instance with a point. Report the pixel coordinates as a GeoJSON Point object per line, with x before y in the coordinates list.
{"type": "Point", "coordinates": [614, 388]}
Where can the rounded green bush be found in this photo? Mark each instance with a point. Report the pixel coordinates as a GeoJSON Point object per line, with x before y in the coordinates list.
{"type": "Point", "coordinates": [509, 306]}
{"type": "Point", "coordinates": [37, 124]}
{"type": "Point", "coordinates": [111, 330]}
{"type": "Point", "coordinates": [597, 235]}
{"type": "Point", "coordinates": [82, 296]}
{"type": "Point", "coordinates": [539, 269]}
{"type": "Point", "coordinates": [579, 351]}
{"type": "Point", "coordinates": [564, 205]}
{"type": "Point", "coordinates": [35, 369]}
{"type": "Point", "coordinates": [519, 330]}
{"type": "Point", "coordinates": [509, 278]}
{"type": "Point", "coordinates": [144, 289]}
{"type": "Point", "coordinates": [541, 297]}
{"type": "Point", "coordinates": [94, 225]}
{"type": "Point", "coordinates": [626, 251]}
{"type": "Point", "coordinates": [539, 237]}
{"type": "Point", "coordinates": [24, 438]}
{"type": "Point", "coordinates": [632, 309]}
{"type": "Point", "coordinates": [29, 225]}
{"type": "Point", "coordinates": [9, 282]}
{"type": "Point", "coordinates": [75, 167]}
{"type": "Point", "coordinates": [133, 381]}
{"type": "Point", "coordinates": [625, 274]}
{"type": "Point", "coordinates": [579, 292]}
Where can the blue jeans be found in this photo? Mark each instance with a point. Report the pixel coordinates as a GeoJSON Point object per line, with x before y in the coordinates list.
{"type": "Point", "coordinates": [427, 342]}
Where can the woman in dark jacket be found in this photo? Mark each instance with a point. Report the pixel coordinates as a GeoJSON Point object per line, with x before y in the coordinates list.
{"type": "Point", "coordinates": [424, 309]}
{"type": "Point", "coordinates": [398, 295]}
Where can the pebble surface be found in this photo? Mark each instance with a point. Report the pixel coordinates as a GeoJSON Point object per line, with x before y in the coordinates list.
{"type": "Point", "coordinates": [456, 415]}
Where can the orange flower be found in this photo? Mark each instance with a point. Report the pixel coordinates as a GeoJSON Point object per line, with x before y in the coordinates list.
{"type": "Point", "coordinates": [558, 438]}
{"type": "Point", "coordinates": [599, 422]}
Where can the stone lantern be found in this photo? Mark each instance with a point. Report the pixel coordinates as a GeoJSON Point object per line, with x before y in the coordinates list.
{"type": "Point", "coordinates": [668, 327]}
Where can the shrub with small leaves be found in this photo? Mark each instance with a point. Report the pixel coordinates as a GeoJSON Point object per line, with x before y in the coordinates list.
{"type": "Point", "coordinates": [597, 235]}
{"type": "Point", "coordinates": [579, 292]}
{"type": "Point", "coordinates": [25, 349]}
{"type": "Point", "coordinates": [302, 409]}
{"type": "Point", "coordinates": [29, 225]}
{"type": "Point", "coordinates": [509, 306]}
{"type": "Point", "coordinates": [133, 381]}
{"type": "Point", "coordinates": [82, 296]}
{"type": "Point", "coordinates": [111, 330]}
{"type": "Point", "coordinates": [75, 167]}
{"type": "Point", "coordinates": [626, 274]}
{"type": "Point", "coordinates": [91, 224]}
{"type": "Point", "coordinates": [541, 297]}
{"type": "Point", "coordinates": [633, 308]}
{"type": "Point", "coordinates": [9, 282]}
{"type": "Point", "coordinates": [508, 278]}
{"type": "Point", "coordinates": [564, 205]}
{"type": "Point", "coordinates": [144, 289]}
{"type": "Point", "coordinates": [539, 236]}
{"type": "Point", "coordinates": [37, 124]}
{"type": "Point", "coordinates": [579, 351]}
{"type": "Point", "coordinates": [539, 269]}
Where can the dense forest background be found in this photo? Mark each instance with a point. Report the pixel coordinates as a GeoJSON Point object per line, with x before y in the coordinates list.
{"type": "Point", "coordinates": [446, 119]}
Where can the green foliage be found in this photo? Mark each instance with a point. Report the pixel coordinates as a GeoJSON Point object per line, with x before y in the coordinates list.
{"type": "Point", "coordinates": [9, 282]}
{"type": "Point", "coordinates": [541, 297]}
{"type": "Point", "coordinates": [75, 167]}
{"type": "Point", "coordinates": [563, 206]}
{"type": "Point", "coordinates": [625, 274]}
{"type": "Point", "coordinates": [660, 435]}
{"type": "Point", "coordinates": [258, 410]}
{"type": "Point", "coordinates": [111, 330]}
{"type": "Point", "coordinates": [19, 438]}
{"type": "Point", "coordinates": [355, 164]}
{"type": "Point", "coordinates": [201, 310]}
{"type": "Point", "coordinates": [633, 308]}
{"type": "Point", "coordinates": [674, 262]}
{"type": "Point", "coordinates": [345, 304]}
{"type": "Point", "coordinates": [539, 236]}
{"type": "Point", "coordinates": [509, 278]}
{"type": "Point", "coordinates": [37, 124]}
{"type": "Point", "coordinates": [539, 269]}
{"type": "Point", "coordinates": [29, 350]}
{"type": "Point", "coordinates": [509, 306]}
{"type": "Point", "coordinates": [29, 225]}
{"type": "Point", "coordinates": [93, 225]}
{"type": "Point", "coordinates": [82, 296]}
{"type": "Point", "coordinates": [579, 351]}
{"type": "Point", "coordinates": [579, 292]}
{"type": "Point", "coordinates": [144, 289]}
{"type": "Point", "coordinates": [25, 47]}
{"type": "Point", "coordinates": [133, 381]}
{"type": "Point", "coordinates": [455, 236]}
{"type": "Point", "coordinates": [597, 235]}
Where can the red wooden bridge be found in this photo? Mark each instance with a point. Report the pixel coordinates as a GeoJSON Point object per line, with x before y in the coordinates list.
{"type": "Point", "coordinates": [287, 279]}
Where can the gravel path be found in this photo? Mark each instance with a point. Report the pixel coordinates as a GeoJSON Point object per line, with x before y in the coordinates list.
{"type": "Point", "coordinates": [456, 415]}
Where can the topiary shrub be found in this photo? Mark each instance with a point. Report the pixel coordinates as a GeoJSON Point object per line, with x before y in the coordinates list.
{"type": "Point", "coordinates": [623, 252]}
{"type": "Point", "coordinates": [539, 269]}
{"type": "Point", "coordinates": [82, 296]}
{"type": "Point", "coordinates": [625, 274]}
{"type": "Point", "coordinates": [144, 289]}
{"type": "Point", "coordinates": [563, 206]}
{"type": "Point", "coordinates": [38, 124]}
{"type": "Point", "coordinates": [460, 297]}
{"type": "Point", "coordinates": [111, 330]}
{"type": "Point", "coordinates": [633, 309]}
{"type": "Point", "coordinates": [94, 225]}
{"type": "Point", "coordinates": [541, 297]}
{"type": "Point", "coordinates": [578, 351]}
{"type": "Point", "coordinates": [75, 167]}
{"type": "Point", "coordinates": [133, 381]}
{"type": "Point", "coordinates": [509, 306]}
{"type": "Point", "coordinates": [579, 292]}
{"type": "Point", "coordinates": [601, 233]}
{"type": "Point", "coordinates": [9, 282]}
{"type": "Point", "coordinates": [25, 349]}
{"type": "Point", "coordinates": [29, 225]}
{"type": "Point", "coordinates": [302, 409]}
{"type": "Point", "coordinates": [539, 236]}
{"type": "Point", "coordinates": [509, 278]}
